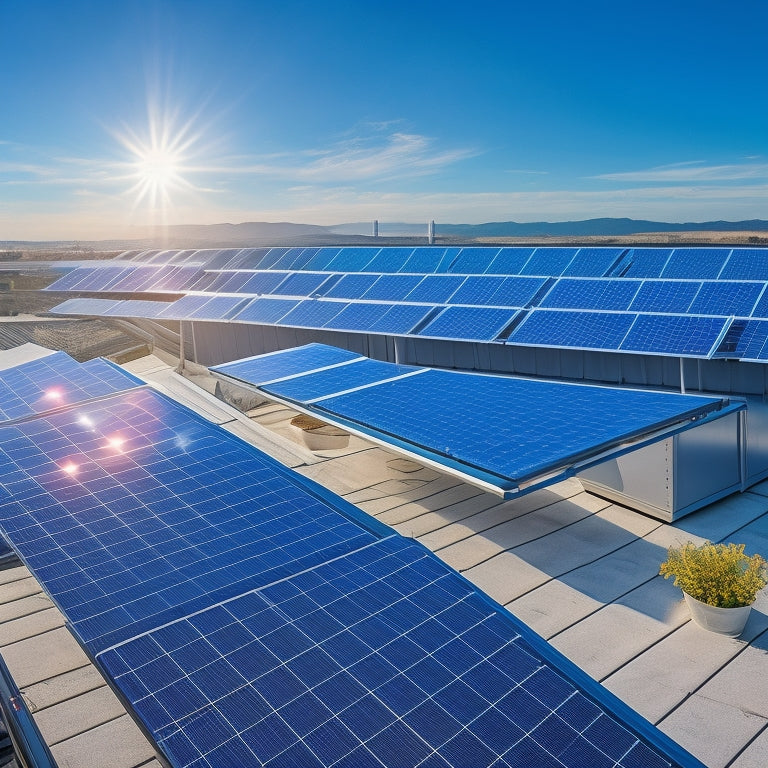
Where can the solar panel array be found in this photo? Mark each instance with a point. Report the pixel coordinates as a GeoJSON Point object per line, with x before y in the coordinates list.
{"type": "Point", "coordinates": [249, 617]}
{"type": "Point", "coordinates": [501, 295]}
{"type": "Point", "coordinates": [501, 429]}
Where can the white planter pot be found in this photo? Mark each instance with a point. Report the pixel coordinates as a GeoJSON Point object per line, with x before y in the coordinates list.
{"type": "Point", "coordinates": [324, 438]}
{"type": "Point", "coordinates": [724, 621]}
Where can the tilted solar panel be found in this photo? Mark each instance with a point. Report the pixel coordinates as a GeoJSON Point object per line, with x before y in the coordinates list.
{"type": "Point", "coordinates": [321, 259]}
{"type": "Point", "coordinates": [469, 323]}
{"type": "Point", "coordinates": [401, 319]}
{"type": "Point", "coordinates": [550, 262]}
{"type": "Point", "coordinates": [665, 296]}
{"type": "Point", "coordinates": [56, 381]}
{"type": "Point", "coordinates": [136, 308]}
{"type": "Point", "coordinates": [679, 335]}
{"type": "Point", "coordinates": [184, 307]}
{"type": "Point", "coordinates": [290, 362]}
{"type": "Point", "coordinates": [745, 340]}
{"type": "Point", "coordinates": [389, 260]}
{"type": "Point", "coordinates": [606, 294]}
{"type": "Point", "coordinates": [573, 329]}
{"type": "Point", "coordinates": [300, 284]}
{"type": "Point", "coordinates": [479, 289]}
{"type": "Point", "coordinates": [746, 264]}
{"type": "Point", "coordinates": [84, 307]}
{"type": "Point", "coordinates": [68, 281]}
{"type": "Point", "coordinates": [645, 262]}
{"type": "Point", "coordinates": [426, 260]}
{"type": "Point", "coordinates": [702, 263]}
{"type": "Point", "coordinates": [473, 260]}
{"type": "Point", "coordinates": [216, 308]}
{"type": "Point", "coordinates": [509, 261]}
{"type": "Point", "coordinates": [593, 262]}
{"type": "Point", "coordinates": [351, 286]}
{"type": "Point", "coordinates": [357, 316]}
{"type": "Point", "coordinates": [262, 283]}
{"type": "Point", "coordinates": [392, 287]}
{"type": "Point", "coordinates": [352, 259]}
{"type": "Point", "coordinates": [265, 311]}
{"type": "Point", "coordinates": [312, 313]}
{"type": "Point", "coordinates": [726, 298]}
{"type": "Point", "coordinates": [227, 282]}
{"type": "Point", "coordinates": [435, 289]}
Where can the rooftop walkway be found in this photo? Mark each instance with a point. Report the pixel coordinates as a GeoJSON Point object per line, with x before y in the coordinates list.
{"type": "Point", "coordinates": [581, 571]}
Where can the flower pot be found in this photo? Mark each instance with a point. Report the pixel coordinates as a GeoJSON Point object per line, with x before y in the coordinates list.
{"type": "Point", "coordinates": [725, 621]}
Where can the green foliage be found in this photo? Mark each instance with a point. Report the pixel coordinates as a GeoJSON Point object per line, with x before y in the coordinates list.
{"type": "Point", "coordinates": [716, 574]}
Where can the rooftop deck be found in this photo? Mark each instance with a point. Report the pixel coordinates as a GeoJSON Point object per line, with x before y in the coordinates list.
{"type": "Point", "coordinates": [580, 571]}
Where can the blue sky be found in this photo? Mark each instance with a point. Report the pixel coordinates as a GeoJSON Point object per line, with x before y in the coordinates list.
{"type": "Point", "coordinates": [117, 115]}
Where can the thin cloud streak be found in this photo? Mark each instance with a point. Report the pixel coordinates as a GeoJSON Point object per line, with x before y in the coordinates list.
{"type": "Point", "coordinates": [691, 172]}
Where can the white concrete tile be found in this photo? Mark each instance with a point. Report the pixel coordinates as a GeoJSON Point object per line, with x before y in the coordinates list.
{"type": "Point", "coordinates": [29, 626]}
{"type": "Point", "coordinates": [44, 656]}
{"type": "Point", "coordinates": [711, 730]}
{"type": "Point", "coordinates": [62, 687]}
{"type": "Point", "coordinates": [755, 755]}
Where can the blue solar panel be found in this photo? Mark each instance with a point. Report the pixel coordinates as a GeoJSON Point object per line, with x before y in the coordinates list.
{"type": "Point", "coordinates": [646, 262]}
{"type": "Point", "coordinates": [300, 284]}
{"type": "Point", "coordinates": [248, 258]}
{"type": "Point", "coordinates": [335, 380]}
{"type": "Point", "coordinates": [703, 263]}
{"type": "Point", "coordinates": [56, 381]}
{"type": "Point", "coordinates": [581, 330]}
{"type": "Point", "coordinates": [400, 319]}
{"type": "Point", "coordinates": [139, 279]}
{"type": "Point", "coordinates": [726, 298]}
{"type": "Point", "coordinates": [389, 260]}
{"type": "Point", "coordinates": [746, 264]}
{"type": "Point", "coordinates": [549, 261]}
{"type": "Point", "coordinates": [357, 316]}
{"type": "Point", "coordinates": [216, 308]}
{"type": "Point", "coordinates": [290, 362]}
{"type": "Point", "coordinates": [352, 259]}
{"type": "Point", "coordinates": [322, 259]}
{"type": "Point", "coordinates": [265, 311]}
{"type": "Point", "coordinates": [83, 307]}
{"type": "Point", "coordinates": [473, 261]}
{"type": "Point", "coordinates": [593, 262]}
{"type": "Point", "coordinates": [184, 307]}
{"type": "Point", "coordinates": [312, 313]}
{"type": "Point", "coordinates": [100, 278]}
{"type": "Point", "coordinates": [424, 260]}
{"type": "Point", "coordinates": [480, 289]}
{"type": "Point", "coordinates": [68, 281]}
{"type": "Point", "coordinates": [134, 513]}
{"type": "Point", "coordinates": [227, 282]}
{"type": "Point", "coordinates": [613, 294]}
{"type": "Point", "coordinates": [665, 296]}
{"type": "Point", "coordinates": [323, 673]}
{"type": "Point", "coordinates": [273, 256]}
{"type": "Point", "coordinates": [136, 308]}
{"type": "Point", "coordinates": [469, 323]}
{"type": "Point", "coordinates": [435, 289]}
{"type": "Point", "coordinates": [262, 283]}
{"type": "Point", "coordinates": [509, 261]}
{"type": "Point", "coordinates": [351, 286]}
{"type": "Point", "coordinates": [392, 287]}
{"type": "Point", "coordinates": [679, 335]}
{"type": "Point", "coordinates": [745, 339]}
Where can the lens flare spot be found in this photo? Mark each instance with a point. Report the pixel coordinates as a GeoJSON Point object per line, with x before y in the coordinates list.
{"type": "Point", "coordinates": [70, 467]}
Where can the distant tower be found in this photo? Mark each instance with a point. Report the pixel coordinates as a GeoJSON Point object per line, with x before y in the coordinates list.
{"type": "Point", "coordinates": [431, 233]}
{"type": "Point", "coordinates": [375, 227]}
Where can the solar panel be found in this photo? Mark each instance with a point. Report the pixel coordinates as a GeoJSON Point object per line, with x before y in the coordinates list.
{"type": "Point", "coordinates": [55, 381]}
{"type": "Point", "coordinates": [665, 296]}
{"type": "Point", "coordinates": [473, 260]}
{"type": "Point", "coordinates": [610, 294]}
{"type": "Point", "coordinates": [312, 313]}
{"type": "Point", "coordinates": [262, 282]}
{"type": "Point", "coordinates": [352, 259]}
{"type": "Point", "coordinates": [226, 282]}
{"type": "Point", "coordinates": [136, 308]}
{"type": "Point", "coordinates": [401, 319]}
{"type": "Point", "coordinates": [216, 308]}
{"type": "Point", "coordinates": [351, 286]}
{"type": "Point", "coordinates": [265, 311]}
{"type": "Point", "coordinates": [389, 260]}
{"type": "Point", "coordinates": [579, 330]}
{"type": "Point", "coordinates": [435, 289]}
{"type": "Point", "coordinates": [469, 323]}
{"type": "Point", "coordinates": [392, 287]}
{"type": "Point", "coordinates": [479, 289]}
{"type": "Point", "coordinates": [102, 277]}
{"type": "Point", "coordinates": [679, 335]}
{"type": "Point", "coordinates": [68, 281]}
{"type": "Point", "coordinates": [424, 260]}
{"type": "Point", "coordinates": [184, 307]}
{"type": "Point", "coordinates": [703, 263]}
{"type": "Point", "coordinates": [593, 262]}
{"type": "Point", "coordinates": [83, 307]}
{"type": "Point", "coordinates": [300, 284]}
{"type": "Point", "coordinates": [138, 279]}
{"type": "Point", "coordinates": [745, 340]}
{"type": "Point", "coordinates": [248, 258]}
{"type": "Point", "coordinates": [321, 259]}
{"type": "Point", "coordinates": [549, 261]}
{"type": "Point", "coordinates": [746, 264]}
{"type": "Point", "coordinates": [274, 256]}
{"type": "Point", "coordinates": [509, 261]}
{"type": "Point", "coordinates": [134, 512]}
{"type": "Point", "coordinates": [322, 384]}
{"type": "Point", "coordinates": [726, 298]}
{"type": "Point", "coordinates": [357, 316]}
{"type": "Point", "coordinates": [289, 362]}
{"type": "Point", "coordinates": [646, 262]}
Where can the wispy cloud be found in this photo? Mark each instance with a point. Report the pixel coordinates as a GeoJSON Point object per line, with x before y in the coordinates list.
{"type": "Point", "coordinates": [692, 171]}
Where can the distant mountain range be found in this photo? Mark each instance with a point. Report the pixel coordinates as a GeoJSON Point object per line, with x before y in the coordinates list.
{"type": "Point", "coordinates": [261, 233]}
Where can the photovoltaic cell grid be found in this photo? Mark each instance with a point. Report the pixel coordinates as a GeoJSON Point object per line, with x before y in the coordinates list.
{"type": "Point", "coordinates": [512, 428]}
{"type": "Point", "coordinates": [469, 323]}
{"type": "Point", "coordinates": [582, 330]}
{"type": "Point", "coordinates": [381, 658]}
{"type": "Point", "coordinates": [134, 513]}
{"type": "Point", "coordinates": [380, 652]}
{"type": "Point", "coordinates": [55, 381]}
